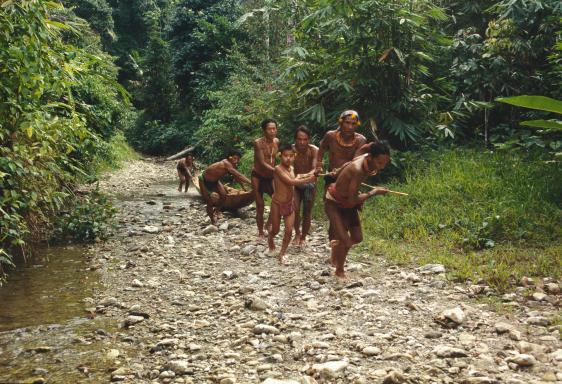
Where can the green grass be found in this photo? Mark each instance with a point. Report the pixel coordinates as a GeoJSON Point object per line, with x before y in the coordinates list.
{"type": "Point", "coordinates": [483, 215]}
{"type": "Point", "coordinates": [118, 151]}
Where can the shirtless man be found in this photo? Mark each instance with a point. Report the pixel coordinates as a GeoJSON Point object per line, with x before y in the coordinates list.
{"type": "Point", "coordinates": [186, 168]}
{"type": "Point", "coordinates": [342, 144]}
{"type": "Point", "coordinates": [282, 201]}
{"type": "Point", "coordinates": [343, 201]}
{"type": "Point", "coordinates": [265, 150]}
{"type": "Point", "coordinates": [305, 162]}
{"type": "Point", "coordinates": [212, 189]}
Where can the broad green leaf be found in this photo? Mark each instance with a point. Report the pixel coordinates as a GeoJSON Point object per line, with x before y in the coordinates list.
{"type": "Point", "coordinates": [551, 125]}
{"type": "Point", "coordinates": [541, 103]}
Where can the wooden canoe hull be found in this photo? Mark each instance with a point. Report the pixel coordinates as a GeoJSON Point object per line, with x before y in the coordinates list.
{"type": "Point", "coordinates": [235, 198]}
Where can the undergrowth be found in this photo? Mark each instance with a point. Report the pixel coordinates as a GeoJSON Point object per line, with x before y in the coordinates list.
{"type": "Point", "coordinates": [490, 215]}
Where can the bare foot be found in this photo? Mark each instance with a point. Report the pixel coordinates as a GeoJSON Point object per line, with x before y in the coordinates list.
{"type": "Point", "coordinates": [282, 259]}
{"type": "Point", "coordinates": [297, 239]}
{"type": "Point", "coordinates": [270, 252]}
{"type": "Point", "coordinates": [302, 242]}
{"type": "Point", "coordinates": [341, 276]}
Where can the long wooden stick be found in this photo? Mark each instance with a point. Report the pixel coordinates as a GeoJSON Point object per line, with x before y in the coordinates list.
{"type": "Point", "coordinates": [371, 186]}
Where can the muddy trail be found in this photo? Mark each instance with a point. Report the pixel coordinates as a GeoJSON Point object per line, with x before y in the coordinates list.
{"type": "Point", "coordinates": [179, 301]}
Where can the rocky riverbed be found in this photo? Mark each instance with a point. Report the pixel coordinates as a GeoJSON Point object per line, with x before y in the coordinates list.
{"type": "Point", "coordinates": [186, 302]}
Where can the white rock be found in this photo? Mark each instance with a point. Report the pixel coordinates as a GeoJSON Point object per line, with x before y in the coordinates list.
{"type": "Point", "coordinates": [179, 366]}
{"type": "Point", "coordinates": [446, 351]}
{"type": "Point", "coordinates": [275, 381]}
{"type": "Point", "coordinates": [539, 296]}
{"type": "Point", "coordinates": [523, 360]}
{"type": "Point", "coordinates": [552, 288]}
{"type": "Point", "coordinates": [248, 249]}
{"type": "Point", "coordinates": [210, 229]}
{"type": "Point", "coordinates": [331, 369]}
{"type": "Point", "coordinates": [264, 328]}
{"type": "Point", "coordinates": [224, 226]}
{"type": "Point", "coordinates": [228, 275]}
{"type": "Point", "coordinates": [371, 351]}
{"type": "Point", "coordinates": [131, 320]}
{"type": "Point", "coordinates": [432, 268]}
{"type": "Point", "coordinates": [502, 327]}
{"type": "Point", "coordinates": [112, 354]}
{"type": "Point", "coordinates": [538, 320]}
{"type": "Point", "coordinates": [137, 283]}
{"type": "Point", "coordinates": [151, 229]}
{"type": "Point", "coordinates": [556, 355]}
{"type": "Point", "coordinates": [455, 314]}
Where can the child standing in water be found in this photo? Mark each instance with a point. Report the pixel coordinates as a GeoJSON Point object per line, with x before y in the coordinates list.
{"type": "Point", "coordinates": [282, 201]}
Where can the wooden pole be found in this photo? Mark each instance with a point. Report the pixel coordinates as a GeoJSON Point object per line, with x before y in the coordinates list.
{"type": "Point", "coordinates": [372, 186]}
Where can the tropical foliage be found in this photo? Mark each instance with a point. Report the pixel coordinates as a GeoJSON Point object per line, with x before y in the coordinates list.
{"type": "Point", "coordinates": [58, 103]}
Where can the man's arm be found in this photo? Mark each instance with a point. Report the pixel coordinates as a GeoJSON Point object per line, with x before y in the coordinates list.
{"type": "Point", "coordinates": [314, 157]}
{"type": "Point", "coordinates": [259, 157]}
{"type": "Point", "coordinates": [323, 147]}
{"type": "Point", "coordinates": [237, 175]}
{"type": "Point", "coordinates": [285, 179]}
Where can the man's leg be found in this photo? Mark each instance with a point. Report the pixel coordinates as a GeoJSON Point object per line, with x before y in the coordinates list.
{"type": "Point", "coordinates": [307, 217]}
{"type": "Point", "coordinates": [259, 205]}
{"type": "Point", "coordinates": [340, 242]}
{"type": "Point", "coordinates": [273, 230]}
{"type": "Point", "coordinates": [298, 199]}
{"type": "Point", "coordinates": [182, 180]}
{"type": "Point", "coordinates": [288, 233]}
{"type": "Point", "coordinates": [211, 212]}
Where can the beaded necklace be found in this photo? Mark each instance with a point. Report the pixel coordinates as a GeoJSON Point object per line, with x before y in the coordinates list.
{"type": "Point", "coordinates": [342, 143]}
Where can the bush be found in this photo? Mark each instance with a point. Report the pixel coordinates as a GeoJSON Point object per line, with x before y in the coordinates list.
{"type": "Point", "coordinates": [475, 211]}
{"type": "Point", "coordinates": [89, 218]}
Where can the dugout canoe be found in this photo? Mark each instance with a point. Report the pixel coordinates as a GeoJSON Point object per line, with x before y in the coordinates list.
{"type": "Point", "coordinates": [181, 154]}
{"type": "Point", "coordinates": [235, 198]}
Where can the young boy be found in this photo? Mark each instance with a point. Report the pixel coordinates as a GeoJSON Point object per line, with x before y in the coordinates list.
{"type": "Point", "coordinates": [265, 150]}
{"type": "Point", "coordinates": [209, 182]}
{"type": "Point", "coordinates": [282, 201]}
{"type": "Point", "coordinates": [186, 169]}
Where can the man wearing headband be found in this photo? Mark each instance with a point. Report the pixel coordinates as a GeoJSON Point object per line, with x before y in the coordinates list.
{"type": "Point", "coordinates": [343, 145]}
{"type": "Point", "coordinates": [212, 189]}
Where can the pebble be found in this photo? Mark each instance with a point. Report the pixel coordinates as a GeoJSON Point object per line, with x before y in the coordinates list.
{"type": "Point", "coordinates": [523, 360]}
{"type": "Point", "coordinates": [264, 328]}
{"type": "Point", "coordinates": [371, 351]}
{"type": "Point", "coordinates": [330, 370]}
{"type": "Point", "coordinates": [446, 351]}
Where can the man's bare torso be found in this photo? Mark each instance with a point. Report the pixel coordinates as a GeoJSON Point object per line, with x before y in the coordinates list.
{"type": "Point", "coordinates": [269, 151]}
{"type": "Point", "coordinates": [338, 154]}
{"type": "Point", "coordinates": [304, 162]}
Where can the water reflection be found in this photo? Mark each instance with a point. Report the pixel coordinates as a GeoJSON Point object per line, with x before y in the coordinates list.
{"type": "Point", "coordinates": [47, 288]}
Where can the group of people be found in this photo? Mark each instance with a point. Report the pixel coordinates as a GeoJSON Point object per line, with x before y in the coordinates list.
{"type": "Point", "coordinates": [292, 183]}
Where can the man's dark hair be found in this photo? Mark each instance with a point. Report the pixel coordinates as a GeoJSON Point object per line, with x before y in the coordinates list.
{"type": "Point", "coordinates": [379, 148]}
{"type": "Point", "coordinates": [302, 128]}
{"type": "Point", "coordinates": [267, 121]}
{"type": "Point", "coordinates": [234, 152]}
{"type": "Point", "coordinates": [286, 147]}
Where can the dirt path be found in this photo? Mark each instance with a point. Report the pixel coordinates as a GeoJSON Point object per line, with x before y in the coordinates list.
{"type": "Point", "coordinates": [188, 303]}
